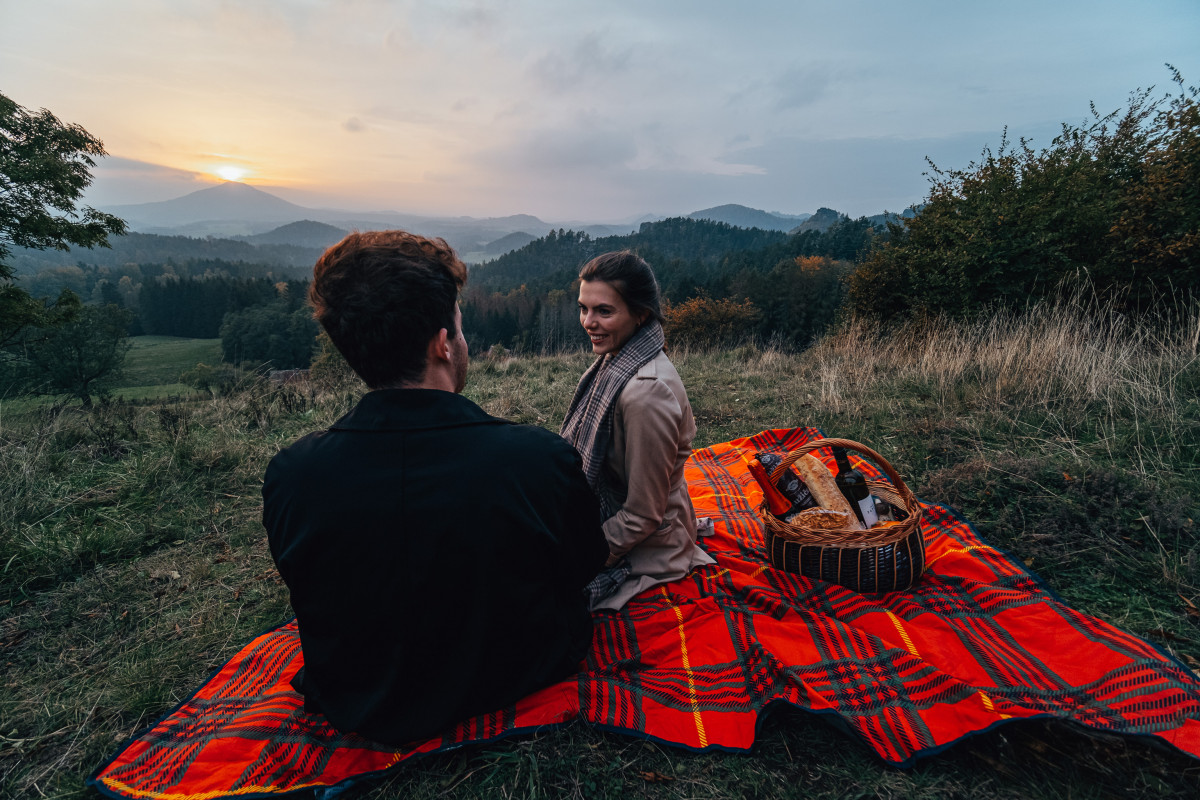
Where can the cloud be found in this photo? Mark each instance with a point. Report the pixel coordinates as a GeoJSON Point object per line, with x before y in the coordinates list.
{"type": "Point", "coordinates": [126, 180]}
{"type": "Point", "coordinates": [568, 150]}
{"type": "Point", "coordinates": [354, 125]}
{"type": "Point", "coordinates": [571, 70]}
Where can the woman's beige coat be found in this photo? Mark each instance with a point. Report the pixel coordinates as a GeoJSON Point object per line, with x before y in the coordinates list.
{"type": "Point", "coordinates": [652, 437]}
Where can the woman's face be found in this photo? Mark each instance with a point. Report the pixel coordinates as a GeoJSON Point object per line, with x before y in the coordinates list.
{"type": "Point", "coordinates": [605, 316]}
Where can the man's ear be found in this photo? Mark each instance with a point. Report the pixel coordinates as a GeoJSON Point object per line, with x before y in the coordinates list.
{"type": "Point", "coordinates": [439, 347]}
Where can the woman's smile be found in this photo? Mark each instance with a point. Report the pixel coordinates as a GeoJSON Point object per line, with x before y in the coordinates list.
{"type": "Point", "coordinates": [606, 317]}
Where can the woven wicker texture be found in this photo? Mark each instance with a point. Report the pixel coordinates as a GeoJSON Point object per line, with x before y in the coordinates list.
{"type": "Point", "coordinates": [884, 558]}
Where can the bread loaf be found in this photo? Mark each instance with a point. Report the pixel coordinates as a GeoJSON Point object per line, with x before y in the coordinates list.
{"type": "Point", "coordinates": [825, 519]}
{"type": "Point", "coordinates": [824, 489]}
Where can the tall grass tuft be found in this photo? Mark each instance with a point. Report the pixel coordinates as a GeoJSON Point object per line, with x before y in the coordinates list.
{"type": "Point", "coordinates": [1072, 353]}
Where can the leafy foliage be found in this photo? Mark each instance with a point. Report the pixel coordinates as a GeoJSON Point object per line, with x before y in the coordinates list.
{"type": "Point", "coordinates": [44, 167]}
{"type": "Point", "coordinates": [800, 297]}
{"type": "Point", "coordinates": [82, 356]}
{"type": "Point", "coordinates": [282, 334]}
{"type": "Point", "coordinates": [151, 248]}
{"type": "Point", "coordinates": [1114, 201]}
{"type": "Point", "coordinates": [1158, 229]}
{"type": "Point", "coordinates": [196, 307]}
{"type": "Point", "coordinates": [553, 261]}
{"type": "Point", "coordinates": [704, 322]}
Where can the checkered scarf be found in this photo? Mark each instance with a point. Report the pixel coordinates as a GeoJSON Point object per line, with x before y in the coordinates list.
{"type": "Point", "coordinates": [589, 421]}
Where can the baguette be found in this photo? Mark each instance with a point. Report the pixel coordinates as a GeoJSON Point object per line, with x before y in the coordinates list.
{"type": "Point", "coordinates": [819, 481]}
{"type": "Point", "coordinates": [824, 519]}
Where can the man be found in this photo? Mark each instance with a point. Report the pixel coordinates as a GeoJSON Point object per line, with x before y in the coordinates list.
{"type": "Point", "coordinates": [435, 555]}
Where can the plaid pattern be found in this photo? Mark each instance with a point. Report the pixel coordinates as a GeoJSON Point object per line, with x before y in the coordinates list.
{"type": "Point", "coordinates": [589, 420]}
{"type": "Point", "coordinates": [607, 581]}
{"type": "Point", "coordinates": [975, 642]}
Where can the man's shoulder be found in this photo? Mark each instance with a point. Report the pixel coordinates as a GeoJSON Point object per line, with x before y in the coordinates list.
{"type": "Point", "coordinates": [522, 441]}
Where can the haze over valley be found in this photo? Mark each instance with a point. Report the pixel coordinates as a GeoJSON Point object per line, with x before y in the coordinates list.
{"type": "Point", "coordinates": [235, 221]}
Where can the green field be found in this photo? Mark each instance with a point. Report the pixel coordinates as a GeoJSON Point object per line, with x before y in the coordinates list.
{"type": "Point", "coordinates": [154, 364]}
{"type": "Point", "coordinates": [134, 562]}
{"type": "Point", "coordinates": [151, 372]}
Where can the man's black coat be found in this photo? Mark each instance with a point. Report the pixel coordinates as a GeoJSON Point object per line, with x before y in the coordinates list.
{"type": "Point", "coordinates": [436, 558]}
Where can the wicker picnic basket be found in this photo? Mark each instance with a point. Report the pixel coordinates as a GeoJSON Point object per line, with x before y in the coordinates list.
{"type": "Point", "coordinates": [885, 558]}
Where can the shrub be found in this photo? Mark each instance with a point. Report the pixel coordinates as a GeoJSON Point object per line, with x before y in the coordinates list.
{"type": "Point", "coordinates": [1115, 201]}
{"type": "Point", "coordinates": [704, 322]}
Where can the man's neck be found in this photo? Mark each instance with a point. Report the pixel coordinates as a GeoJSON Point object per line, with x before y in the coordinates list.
{"type": "Point", "coordinates": [430, 380]}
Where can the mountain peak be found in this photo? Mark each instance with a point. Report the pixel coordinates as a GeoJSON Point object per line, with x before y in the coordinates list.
{"type": "Point", "coordinates": [745, 217]}
{"type": "Point", "coordinates": [228, 200]}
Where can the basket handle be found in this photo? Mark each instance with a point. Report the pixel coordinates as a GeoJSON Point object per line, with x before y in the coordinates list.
{"type": "Point", "coordinates": [910, 500]}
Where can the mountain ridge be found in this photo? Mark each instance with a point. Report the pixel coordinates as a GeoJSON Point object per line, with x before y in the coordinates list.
{"type": "Point", "coordinates": [745, 217]}
{"type": "Point", "coordinates": [243, 213]}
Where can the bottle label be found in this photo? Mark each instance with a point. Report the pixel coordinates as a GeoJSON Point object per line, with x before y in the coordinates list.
{"type": "Point", "coordinates": [789, 483]}
{"type": "Point", "coordinates": [867, 506]}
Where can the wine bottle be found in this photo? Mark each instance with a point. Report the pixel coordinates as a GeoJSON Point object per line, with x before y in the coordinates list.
{"type": "Point", "coordinates": [780, 506]}
{"type": "Point", "coordinates": [853, 486]}
{"type": "Point", "coordinates": [789, 482]}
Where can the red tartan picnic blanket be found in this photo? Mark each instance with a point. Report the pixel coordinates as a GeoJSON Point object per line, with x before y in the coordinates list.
{"type": "Point", "coordinates": [694, 663]}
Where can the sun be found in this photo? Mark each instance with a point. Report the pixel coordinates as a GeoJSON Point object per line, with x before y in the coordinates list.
{"type": "Point", "coordinates": [231, 173]}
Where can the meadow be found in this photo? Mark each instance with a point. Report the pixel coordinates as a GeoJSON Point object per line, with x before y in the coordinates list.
{"type": "Point", "coordinates": [134, 563]}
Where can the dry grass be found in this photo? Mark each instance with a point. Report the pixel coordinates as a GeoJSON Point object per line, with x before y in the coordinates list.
{"type": "Point", "coordinates": [1055, 355]}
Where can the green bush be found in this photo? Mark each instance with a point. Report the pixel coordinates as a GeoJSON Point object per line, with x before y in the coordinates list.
{"type": "Point", "coordinates": [1115, 203]}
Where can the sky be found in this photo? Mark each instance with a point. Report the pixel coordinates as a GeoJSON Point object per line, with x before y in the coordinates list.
{"type": "Point", "coordinates": [575, 109]}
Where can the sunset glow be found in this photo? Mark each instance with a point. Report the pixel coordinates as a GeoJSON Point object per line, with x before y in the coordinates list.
{"type": "Point", "coordinates": [231, 173]}
{"type": "Point", "coordinates": [615, 110]}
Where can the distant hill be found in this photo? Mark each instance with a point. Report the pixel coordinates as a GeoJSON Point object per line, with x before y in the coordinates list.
{"type": "Point", "coordinates": [148, 248]}
{"type": "Point", "coordinates": [243, 213]}
{"type": "Point", "coordinates": [821, 221]}
{"type": "Point", "coordinates": [886, 217]}
{"type": "Point", "coordinates": [225, 201]}
{"type": "Point", "coordinates": [554, 260]}
{"type": "Point", "coordinates": [305, 233]}
{"type": "Point", "coordinates": [744, 217]}
{"type": "Point", "coordinates": [600, 231]}
{"type": "Point", "coordinates": [505, 244]}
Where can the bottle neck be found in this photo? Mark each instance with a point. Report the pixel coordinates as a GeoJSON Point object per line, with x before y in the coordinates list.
{"type": "Point", "coordinates": [843, 459]}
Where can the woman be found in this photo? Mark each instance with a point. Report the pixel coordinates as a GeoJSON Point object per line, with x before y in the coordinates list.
{"type": "Point", "coordinates": [631, 422]}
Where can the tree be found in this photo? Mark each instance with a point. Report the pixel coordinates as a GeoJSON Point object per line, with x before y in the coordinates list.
{"type": "Point", "coordinates": [45, 165]}
{"type": "Point", "coordinates": [272, 335]}
{"type": "Point", "coordinates": [81, 357]}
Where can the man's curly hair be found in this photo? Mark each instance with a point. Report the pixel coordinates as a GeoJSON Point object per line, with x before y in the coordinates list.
{"type": "Point", "coordinates": [381, 296]}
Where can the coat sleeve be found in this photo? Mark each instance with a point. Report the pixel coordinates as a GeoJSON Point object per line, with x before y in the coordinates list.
{"type": "Point", "coordinates": [651, 419]}
{"type": "Point", "coordinates": [583, 547]}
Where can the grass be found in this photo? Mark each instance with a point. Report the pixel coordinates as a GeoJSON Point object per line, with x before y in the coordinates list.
{"type": "Point", "coordinates": [133, 563]}
{"type": "Point", "coordinates": [158, 360]}
{"type": "Point", "coordinates": [154, 364]}
{"type": "Point", "coordinates": [151, 372]}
